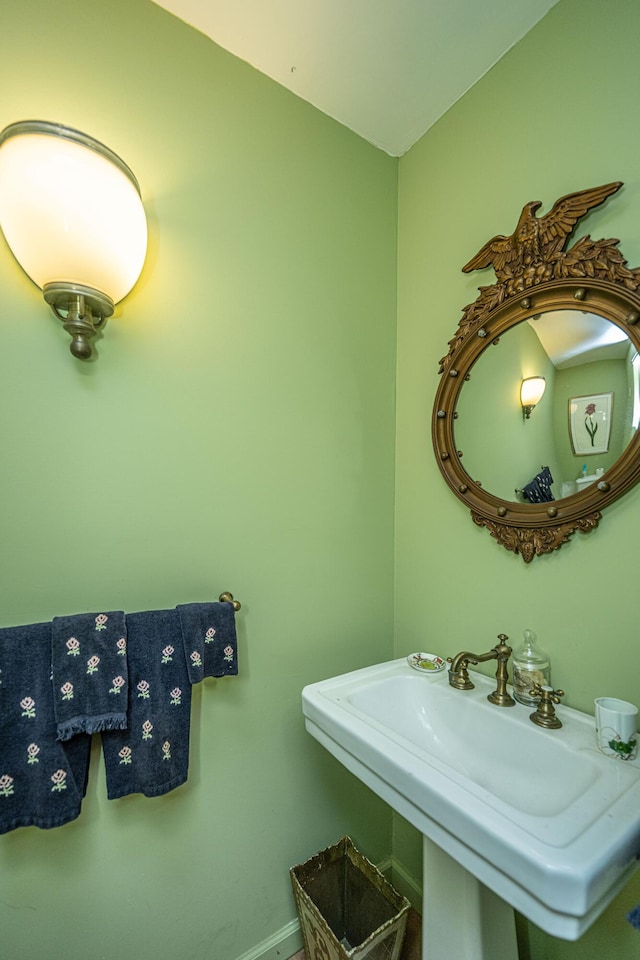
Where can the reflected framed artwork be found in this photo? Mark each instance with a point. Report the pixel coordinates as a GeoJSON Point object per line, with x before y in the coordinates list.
{"type": "Point", "coordinates": [590, 423]}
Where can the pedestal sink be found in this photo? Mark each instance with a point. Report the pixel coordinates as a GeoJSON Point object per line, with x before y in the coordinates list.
{"type": "Point", "coordinates": [512, 815]}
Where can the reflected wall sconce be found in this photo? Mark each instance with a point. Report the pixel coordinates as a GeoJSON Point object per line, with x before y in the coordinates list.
{"type": "Point", "coordinates": [531, 392]}
{"type": "Point", "coordinates": [72, 215]}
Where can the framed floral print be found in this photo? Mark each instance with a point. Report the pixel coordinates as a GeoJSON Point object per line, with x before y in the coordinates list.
{"type": "Point", "coordinates": [590, 423]}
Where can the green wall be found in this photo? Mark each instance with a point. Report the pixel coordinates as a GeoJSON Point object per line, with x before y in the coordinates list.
{"type": "Point", "coordinates": [556, 114]}
{"type": "Point", "coordinates": [235, 433]}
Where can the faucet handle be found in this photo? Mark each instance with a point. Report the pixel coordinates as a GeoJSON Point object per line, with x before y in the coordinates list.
{"type": "Point", "coordinates": [503, 638]}
{"type": "Point", "coordinates": [545, 714]}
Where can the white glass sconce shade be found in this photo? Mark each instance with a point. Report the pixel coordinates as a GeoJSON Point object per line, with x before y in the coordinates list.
{"type": "Point", "coordinates": [531, 392]}
{"type": "Point", "coordinates": [71, 212]}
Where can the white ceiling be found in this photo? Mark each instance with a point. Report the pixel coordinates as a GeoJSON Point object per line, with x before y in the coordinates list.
{"type": "Point", "coordinates": [571, 338]}
{"type": "Point", "coordinates": [387, 69]}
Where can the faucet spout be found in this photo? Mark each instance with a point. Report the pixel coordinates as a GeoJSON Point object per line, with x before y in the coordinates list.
{"type": "Point", "coordinates": [459, 676]}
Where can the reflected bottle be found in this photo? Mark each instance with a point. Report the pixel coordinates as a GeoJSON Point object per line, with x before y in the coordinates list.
{"type": "Point", "coordinates": [530, 665]}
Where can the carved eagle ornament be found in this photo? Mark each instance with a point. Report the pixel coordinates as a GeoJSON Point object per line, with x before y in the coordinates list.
{"type": "Point", "coordinates": [538, 239]}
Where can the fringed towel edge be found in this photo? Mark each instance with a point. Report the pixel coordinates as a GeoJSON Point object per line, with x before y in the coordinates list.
{"type": "Point", "coordinates": [112, 721]}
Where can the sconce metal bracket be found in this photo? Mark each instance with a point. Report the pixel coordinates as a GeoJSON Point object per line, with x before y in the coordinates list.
{"type": "Point", "coordinates": [83, 311]}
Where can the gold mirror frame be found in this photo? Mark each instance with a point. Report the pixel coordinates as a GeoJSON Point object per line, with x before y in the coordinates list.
{"type": "Point", "coordinates": [536, 274]}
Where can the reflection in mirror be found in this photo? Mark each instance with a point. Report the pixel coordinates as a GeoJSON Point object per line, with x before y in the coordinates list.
{"type": "Point", "coordinates": [581, 356]}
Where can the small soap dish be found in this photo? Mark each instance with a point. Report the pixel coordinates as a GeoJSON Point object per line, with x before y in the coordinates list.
{"type": "Point", "coordinates": [427, 663]}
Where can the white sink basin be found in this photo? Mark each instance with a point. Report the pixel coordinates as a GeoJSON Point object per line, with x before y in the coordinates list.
{"type": "Point", "coordinates": [539, 816]}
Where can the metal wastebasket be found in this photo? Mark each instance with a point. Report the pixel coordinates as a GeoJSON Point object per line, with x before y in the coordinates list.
{"type": "Point", "coordinates": [347, 909]}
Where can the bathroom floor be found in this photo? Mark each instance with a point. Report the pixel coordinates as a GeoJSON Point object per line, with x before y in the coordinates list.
{"type": "Point", "coordinates": [411, 948]}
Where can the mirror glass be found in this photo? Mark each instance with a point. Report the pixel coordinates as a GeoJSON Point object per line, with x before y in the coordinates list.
{"type": "Point", "coordinates": [584, 421]}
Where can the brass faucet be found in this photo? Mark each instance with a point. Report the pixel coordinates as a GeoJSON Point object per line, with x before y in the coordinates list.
{"type": "Point", "coordinates": [459, 676]}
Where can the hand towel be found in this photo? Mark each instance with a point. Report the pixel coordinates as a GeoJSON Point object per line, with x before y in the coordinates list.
{"type": "Point", "coordinates": [544, 481]}
{"type": "Point", "coordinates": [152, 756]}
{"type": "Point", "coordinates": [209, 639]}
{"type": "Point", "coordinates": [634, 917]}
{"type": "Point", "coordinates": [538, 490]}
{"type": "Point", "coordinates": [42, 781]}
{"type": "Point", "coordinates": [89, 672]}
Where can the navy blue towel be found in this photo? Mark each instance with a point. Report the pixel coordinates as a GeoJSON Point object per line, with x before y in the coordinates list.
{"type": "Point", "coordinates": [152, 755]}
{"type": "Point", "coordinates": [209, 639]}
{"type": "Point", "coordinates": [42, 781]}
{"type": "Point", "coordinates": [89, 672]}
{"type": "Point", "coordinates": [634, 917]}
{"type": "Point", "coordinates": [538, 490]}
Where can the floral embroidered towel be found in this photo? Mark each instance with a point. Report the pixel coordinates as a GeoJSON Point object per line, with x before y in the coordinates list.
{"type": "Point", "coordinates": [42, 781]}
{"type": "Point", "coordinates": [89, 673]}
{"type": "Point", "coordinates": [209, 639]}
{"type": "Point", "coordinates": [152, 756]}
{"type": "Point", "coordinates": [538, 490]}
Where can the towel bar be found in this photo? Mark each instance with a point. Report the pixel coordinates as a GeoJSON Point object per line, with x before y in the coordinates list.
{"type": "Point", "coordinates": [227, 597]}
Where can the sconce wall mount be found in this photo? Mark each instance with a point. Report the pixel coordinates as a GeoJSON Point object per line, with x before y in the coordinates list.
{"type": "Point", "coordinates": [72, 215]}
{"type": "Point", "coordinates": [531, 393]}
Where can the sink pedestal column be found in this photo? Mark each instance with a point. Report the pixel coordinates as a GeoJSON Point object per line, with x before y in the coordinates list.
{"type": "Point", "coordinates": [461, 917]}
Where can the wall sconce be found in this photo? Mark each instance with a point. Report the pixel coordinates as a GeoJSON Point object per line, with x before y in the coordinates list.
{"type": "Point", "coordinates": [71, 212]}
{"type": "Point", "coordinates": [531, 392]}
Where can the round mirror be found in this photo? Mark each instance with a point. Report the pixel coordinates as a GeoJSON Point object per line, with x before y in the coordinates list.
{"type": "Point", "coordinates": [534, 468]}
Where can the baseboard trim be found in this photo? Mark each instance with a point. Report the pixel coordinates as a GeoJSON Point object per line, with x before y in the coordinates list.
{"type": "Point", "coordinates": [280, 946]}
{"type": "Point", "coordinates": [403, 881]}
